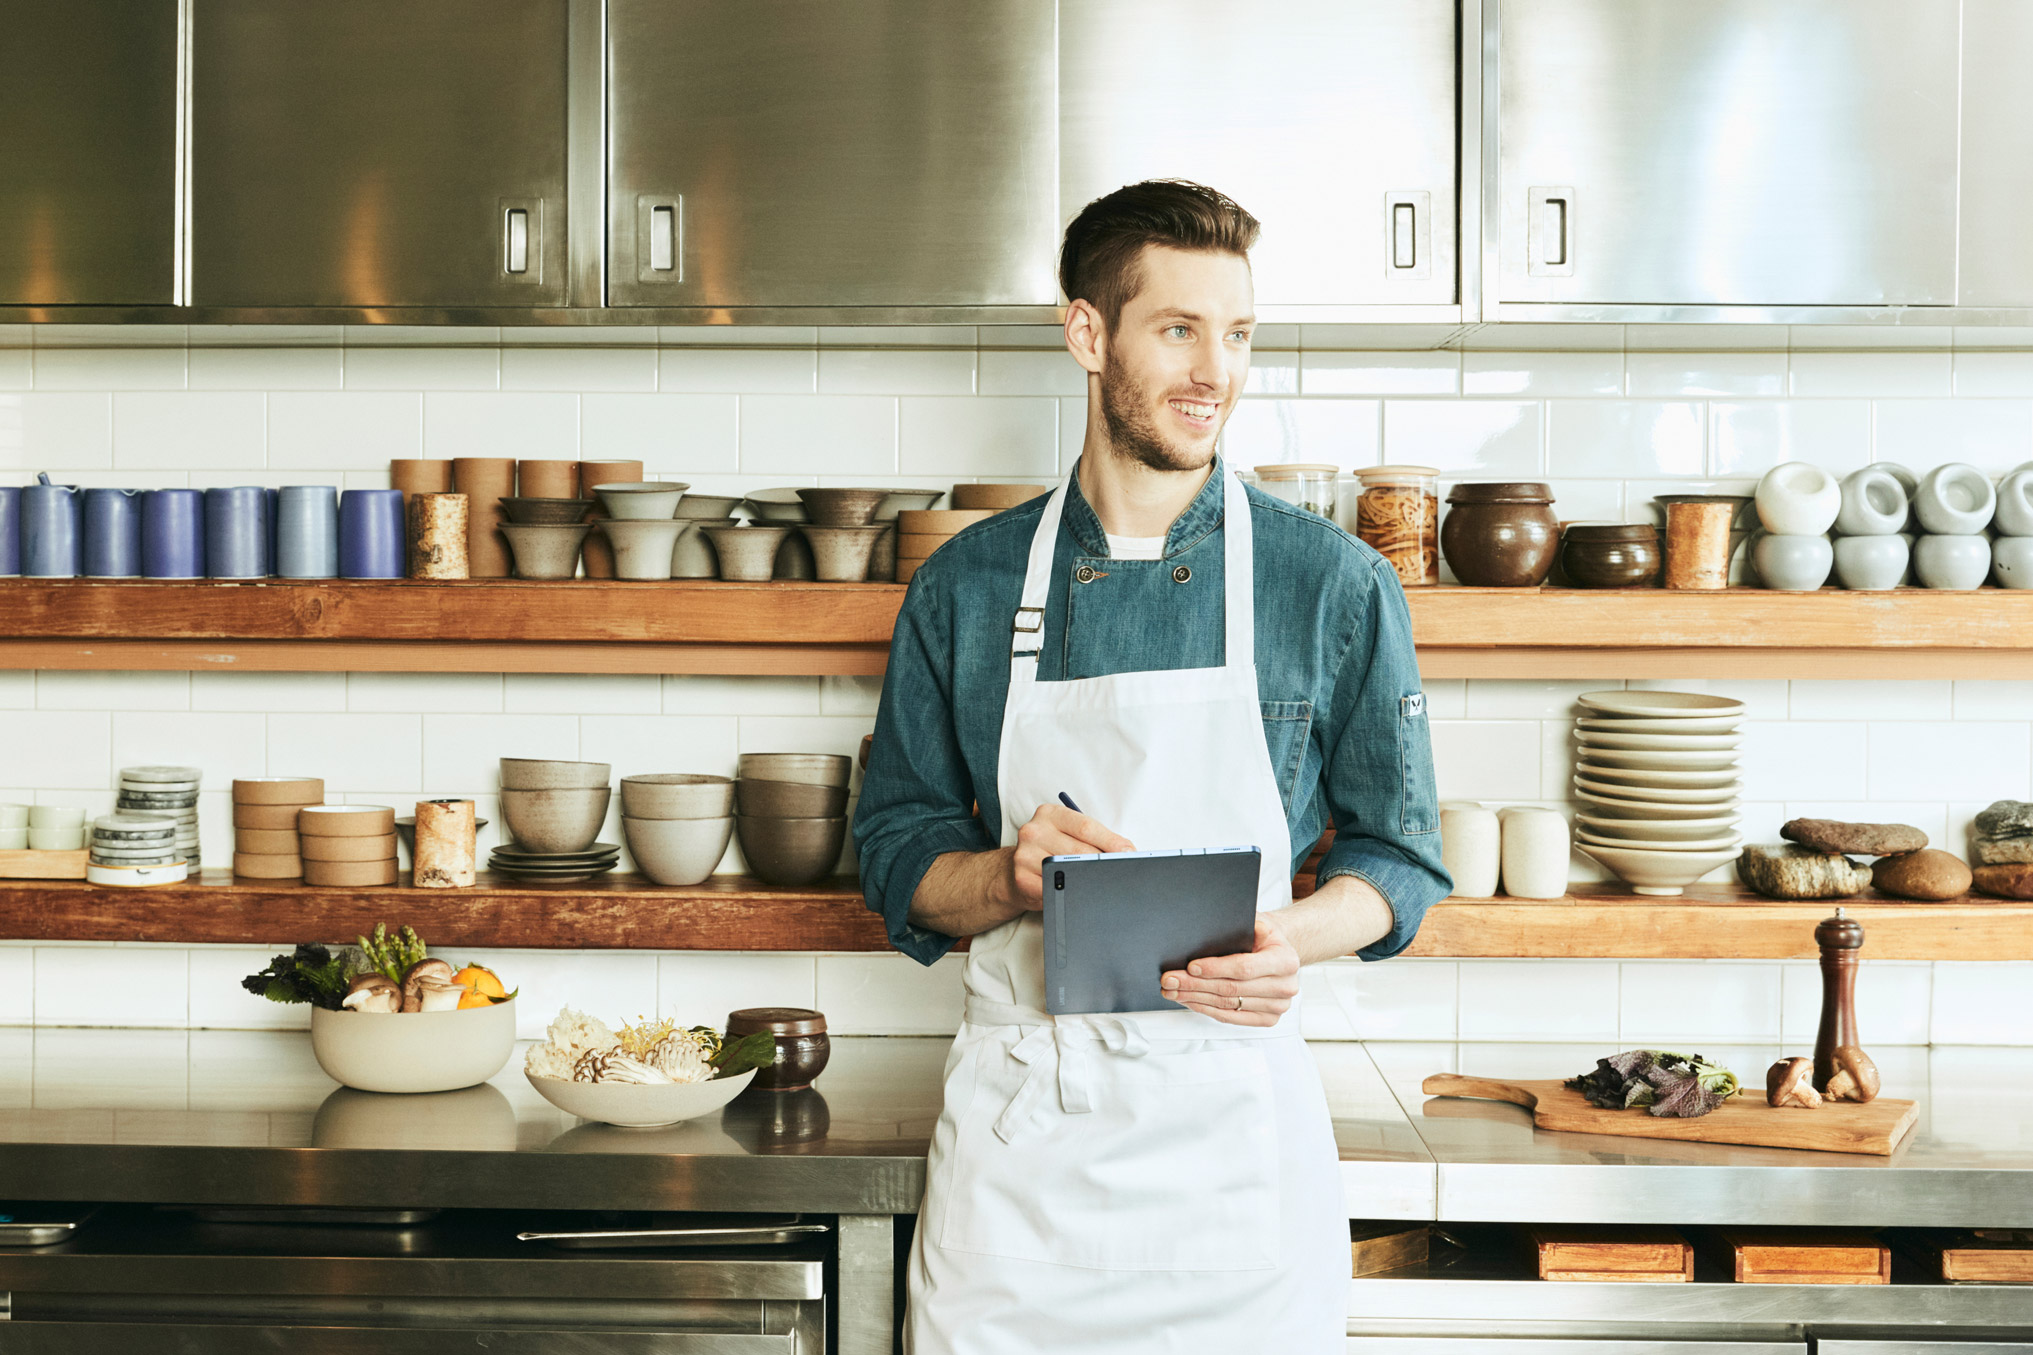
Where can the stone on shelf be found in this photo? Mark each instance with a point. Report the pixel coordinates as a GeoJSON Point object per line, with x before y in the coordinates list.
{"type": "Point", "coordinates": [1794, 872]}
{"type": "Point", "coordinates": [2006, 818]}
{"type": "Point", "coordinates": [1858, 839]}
{"type": "Point", "coordinates": [1928, 874]}
{"type": "Point", "coordinates": [2005, 882]}
{"type": "Point", "coordinates": [2001, 851]}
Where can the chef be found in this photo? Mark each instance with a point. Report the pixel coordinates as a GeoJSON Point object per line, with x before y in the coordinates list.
{"type": "Point", "coordinates": [1195, 664]}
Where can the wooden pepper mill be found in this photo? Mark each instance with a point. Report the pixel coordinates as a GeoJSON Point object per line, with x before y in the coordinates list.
{"type": "Point", "coordinates": [1842, 941]}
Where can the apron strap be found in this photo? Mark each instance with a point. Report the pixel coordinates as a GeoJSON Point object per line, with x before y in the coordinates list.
{"type": "Point", "coordinates": [1027, 630]}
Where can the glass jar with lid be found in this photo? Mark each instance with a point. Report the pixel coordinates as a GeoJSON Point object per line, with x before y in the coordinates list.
{"type": "Point", "coordinates": [1398, 515]}
{"type": "Point", "coordinates": [1305, 484]}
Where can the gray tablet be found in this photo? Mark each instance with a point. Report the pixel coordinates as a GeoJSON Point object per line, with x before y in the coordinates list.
{"type": "Point", "coordinates": [1114, 924]}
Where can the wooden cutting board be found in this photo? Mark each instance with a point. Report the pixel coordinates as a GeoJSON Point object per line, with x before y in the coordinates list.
{"type": "Point", "coordinates": [1832, 1127]}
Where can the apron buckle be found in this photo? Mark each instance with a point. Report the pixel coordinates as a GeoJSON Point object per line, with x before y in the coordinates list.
{"type": "Point", "coordinates": [1035, 628]}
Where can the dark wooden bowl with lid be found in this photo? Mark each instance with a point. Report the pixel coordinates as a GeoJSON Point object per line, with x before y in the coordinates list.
{"type": "Point", "coordinates": [802, 1047]}
{"type": "Point", "coordinates": [1610, 554]}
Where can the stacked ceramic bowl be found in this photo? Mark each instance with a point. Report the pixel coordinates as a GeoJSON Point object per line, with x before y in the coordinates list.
{"type": "Point", "coordinates": [841, 527]}
{"type": "Point", "coordinates": [171, 792]}
{"type": "Point", "coordinates": [642, 525]}
{"type": "Point", "coordinates": [783, 508]}
{"type": "Point", "coordinates": [546, 535]}
{"type": "Point", "coordinates": [347, 845]}
{"type": "Point", "coordinates": [677, 824]}
{"type": "Point", "coordinates": [1655, 785]}
{"type": "Point", "coordinates": [135, 849]}
{"type": "Point", "coordinates": [790, 812]}
{"type": "Point", "coordinates": [553, 810]}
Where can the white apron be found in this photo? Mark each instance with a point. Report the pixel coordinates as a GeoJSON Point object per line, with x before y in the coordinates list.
{"type": "Point", "coordinates": [1145, 1182]}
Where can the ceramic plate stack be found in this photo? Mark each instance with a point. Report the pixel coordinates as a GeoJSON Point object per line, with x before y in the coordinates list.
{"type": "Point", "coordinates": [135, 849]}
{"type": "Point", "coordinates": [1655, 785]}
{"type": "Point", "coordinates": [555, 867]}
{"type": "Point", "coordinates": [266, 845]}
{"type": "Point", "coordinates": [171, 792]}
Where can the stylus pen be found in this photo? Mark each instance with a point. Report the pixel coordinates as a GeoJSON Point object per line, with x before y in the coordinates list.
{"type": "Point", "coordinates": [1067, 801]}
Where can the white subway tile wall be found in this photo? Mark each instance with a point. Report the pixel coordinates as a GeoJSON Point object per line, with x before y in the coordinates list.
{"type": "Point", "coordinates": [1609, 415]}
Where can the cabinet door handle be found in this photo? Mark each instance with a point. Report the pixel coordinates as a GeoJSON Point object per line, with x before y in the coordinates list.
{"type": "Point", "coordinates": [660, 237]}
{"type": "Point", "coordinates": [1408, 235]}
{"type": "Point", "coordinates": [515, 232]}
{"type": "Point", "coordinates": [663, 238]}
{"type": "Point", "coordinates": [1549, 232]}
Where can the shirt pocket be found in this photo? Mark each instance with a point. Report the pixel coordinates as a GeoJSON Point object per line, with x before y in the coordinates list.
{"type": "Point", "coordinates": [1419, 798]}
{"type": "Point", "coordinates": [1286, 724]}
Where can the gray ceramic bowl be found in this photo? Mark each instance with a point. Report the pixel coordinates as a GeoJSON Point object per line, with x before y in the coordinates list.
{"type": "Point", "coordinates": [677, 795]}
{"type": "Point", "coordinates": [554, 820]}
{"type": "Point", "coordinates": [747, 554]}
{"type": "Point", "coordinates": [677, 851]}
{"type": "Point", "coordinates": [791, 852]}
{"type": "Point", "coordinates": [545, 512]}
{"type": "Point", "coordinates": [535, 773]}
{"type": "Point", "coordinates": [842, 507]}
{"type": "Point", "coordinates": [776, 505]}
{"type": "Point", "coordinates": [843, 554]}
{"type": "Point", "coordinates": [789, 799]}
{"type": "Point", "coordinates": [546, 550]}
{"type": "Point", "coordinates": [708, 507]}
{"type": "Point", "coordinates": [638, 499]}
{"type": "Point", "coordinates": [821, 769]}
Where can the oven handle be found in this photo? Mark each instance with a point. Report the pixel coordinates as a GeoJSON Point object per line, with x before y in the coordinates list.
{"type": "Point", "coordinates": [123, 1338]}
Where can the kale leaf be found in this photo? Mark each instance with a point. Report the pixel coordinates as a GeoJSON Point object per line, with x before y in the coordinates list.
{"type": "Point", "coordinates": [1664, 1083]}
{"type": "Point", "coordinates": [310, 974]}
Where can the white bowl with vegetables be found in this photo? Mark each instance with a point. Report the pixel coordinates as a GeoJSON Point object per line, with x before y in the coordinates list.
{"type": "Point", "coordinates": [643, 1076]}
{"type": "Point", "coordinates": [387, 1017]}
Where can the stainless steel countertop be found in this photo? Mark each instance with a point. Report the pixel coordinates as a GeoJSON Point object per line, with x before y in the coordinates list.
{"type": "Point", "coordinates": [248, 1117]}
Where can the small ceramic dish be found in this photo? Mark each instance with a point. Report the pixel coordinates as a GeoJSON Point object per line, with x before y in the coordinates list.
{"type": "Point", "coordinates": [1715, 843]}
{"type": "Point", "coordinates": [518, 852]}
{"type": "Point", "coordinates": [633, 1106]}
{"type": "Point", "coordinates": [1659, 873]}
{"type": "Point", "coordinates": [842, 507]}
{"type": "Point", "coordinates": [546, 512]}
{"type": "Point", "coordinates": [1719, 760]}
{"type": "Point", "coordinates": [413, 1051]}
{"type": "Point", "coordinates": [1705, 796]}
{"type": "Point", "coordinates": [1612, 818]}
{"type": "Point", "coordinates": [640, 499]}
{"type": "Point", "coordinates": [677, 795]}
{"type": "Point", "coordinates": [1658, 743]}
{"type": "Point", "coordinates": [708, 507]}
{"type": "Point", "coordinates": [824, 769]}
{"type": "Point", "coordinates": [1661, 705]}
{"type": "Point", "coordinates": [1608, 724]}
{"type": "Point", "coordinates": [1639, 776]}
{"type": "Point", "coordinates": [776, 505]}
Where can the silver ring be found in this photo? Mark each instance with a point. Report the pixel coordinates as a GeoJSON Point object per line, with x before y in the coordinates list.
{"type": "Point", "coordinates": [1238, 1002]}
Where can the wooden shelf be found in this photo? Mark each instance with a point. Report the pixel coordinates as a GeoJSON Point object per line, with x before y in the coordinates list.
{"type": "Point", "coordinates": [740, 913]}
{"type": "Point", "coordinates": [602, 626]}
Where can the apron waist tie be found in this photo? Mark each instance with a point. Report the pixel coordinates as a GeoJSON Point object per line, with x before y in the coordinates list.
{"type": "Point", "coordinates": [1065, 1040]}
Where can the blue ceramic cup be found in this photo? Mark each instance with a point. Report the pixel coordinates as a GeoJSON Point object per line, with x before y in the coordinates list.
{"type": "Point", "coordinates": [370, 534]}
{"type": "Point", "coordinates": [10, 531]}
{"type": "Point", "coordinates": [307, 532]}
{"type": "Point", "coordinates": [112, 533]}
{"type": "Point", "coordinates": [173, 534]}
{"type": "Point", "coordinates": [50, 540]}
{"type": "Point", "coordinates": [236, 532]}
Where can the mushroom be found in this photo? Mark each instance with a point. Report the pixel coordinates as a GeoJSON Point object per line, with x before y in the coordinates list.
{"type": "Point", "coordinates": [372, 993]}
{"type": "Point", "coordinates": [1790, 1082]}
{"type": "Point", "coordinates": [439, 997]}
{"type": "Point", "coordinates": [1855, 1077]}
{"type": "Point", "coordinates": [432, 971]}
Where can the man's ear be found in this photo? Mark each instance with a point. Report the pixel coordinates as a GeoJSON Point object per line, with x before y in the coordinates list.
{"type": "Point", "coordinates": [1086, 335]}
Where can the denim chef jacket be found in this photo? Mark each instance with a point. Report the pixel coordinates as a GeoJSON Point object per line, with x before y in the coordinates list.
{"type": "Point", "coordinates": [1344, 716]}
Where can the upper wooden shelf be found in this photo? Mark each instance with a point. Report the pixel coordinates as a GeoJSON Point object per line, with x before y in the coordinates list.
{"type": "Point", "coordinates": [740, 913]}
{"type": "Point", "coordinates": [589, 626]}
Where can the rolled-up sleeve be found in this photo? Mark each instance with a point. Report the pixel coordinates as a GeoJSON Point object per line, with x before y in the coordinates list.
{"type": "Point", "coordinates": [917, 798]}
{"type": "Point", "coordinates": [1379, 766]}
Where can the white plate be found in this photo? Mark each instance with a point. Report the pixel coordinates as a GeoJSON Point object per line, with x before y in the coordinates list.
{"type": "Point", "coordinates": [1661, 705]}
{"type": "Point", "coordinates": [1706, 844]}
{"type": "Point", "coordinates": [638, 1107]}
{"type": "Point", "coordinates": [1658, 830]}
{"type": "Point", "coordinates": [1638, 724]}
{"type": "Point", "coordinates": [1645, 776]}
{"type": "Point", "coordinates": [1613, 807]}
{"type": "Point", "coordinates": [137, 877]}
{"type": "Point", "coordinates": [1660, 762]}
{"type": "Point", "coordinates": [1668, 795]}
{"type": "Point", "coordinates": [1662, 743]}
{"type": "Point", "coordinates": [1651, 872]}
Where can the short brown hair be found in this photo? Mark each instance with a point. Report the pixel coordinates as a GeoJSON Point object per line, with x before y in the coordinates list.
{"type": "Point", "coordinates": [1099, 262]}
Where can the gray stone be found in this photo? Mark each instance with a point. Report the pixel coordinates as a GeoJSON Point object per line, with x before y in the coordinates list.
{"type": "Point", "coordinates": [1860, 839]}
{"type": "Point", "coordinates": [2001, 851]}
{"type": "Point", "coordinates": [2006, 818]}
{"type": "Point", "coordinates": [1793, 872]}
{"type": "Point", "coordinates": [1929, 874]}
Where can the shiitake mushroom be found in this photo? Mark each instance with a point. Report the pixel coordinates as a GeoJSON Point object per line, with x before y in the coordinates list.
{"type": "Point", "coordinates": [1855, 1077]}
{"type": "Point", "coordinates": [1790, 1082]}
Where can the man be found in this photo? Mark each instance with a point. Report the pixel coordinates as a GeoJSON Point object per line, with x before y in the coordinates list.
{"type": "Point", "coordinates": [1196, 665]}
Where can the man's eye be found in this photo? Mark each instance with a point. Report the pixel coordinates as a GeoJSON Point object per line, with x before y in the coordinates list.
{"type": "Point", "coordinates": [1241, 334]}
{"type": "Point", "coordinates": [1177, 331]}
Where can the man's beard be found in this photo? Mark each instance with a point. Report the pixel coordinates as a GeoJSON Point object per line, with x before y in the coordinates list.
{"type": "Point", "coordinates": [1131, 429]}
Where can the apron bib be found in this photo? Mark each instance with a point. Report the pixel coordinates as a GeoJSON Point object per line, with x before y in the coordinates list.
{"type": "Point", "coordinates": [1144, 1181]}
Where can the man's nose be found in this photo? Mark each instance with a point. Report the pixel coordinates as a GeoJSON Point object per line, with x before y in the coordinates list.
{"type": "Point", "coordinates": [1210, 364]}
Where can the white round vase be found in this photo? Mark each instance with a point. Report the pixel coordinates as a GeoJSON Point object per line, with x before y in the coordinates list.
{"type": "Point", "coordinates": [1798, 499]}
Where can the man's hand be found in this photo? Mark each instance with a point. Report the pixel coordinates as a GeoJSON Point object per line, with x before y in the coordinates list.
{"type": "Point", "coordinates": [1266, 979]}
{"type": "Point", "coordinates": [1055, 831]}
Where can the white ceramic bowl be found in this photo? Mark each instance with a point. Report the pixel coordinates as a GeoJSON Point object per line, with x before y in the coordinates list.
{"type": "Point", "coordinates": [551, 822]}
{"type": "Point", "coordinates": [1952, 562]}
{"type": "Point", "coordinates": [677, 795]}
{"type": "Point", "coordinates": [413, 1051]}
{"type": "Point", "coordinates": [2011, 562]}
{"type": "Point", "coordinates": [1638, 724]}
{"type": "Point", "coordinates": [677, 851]}
{"type": "Point", "coordinates": [1665, 795]}
{"type": "Point", "coordinates": [1792, 564]}
{"type": "Point", "coordinates": [1955, 500]}
{"type": "Point", "coordinates": [1657, 830]}
{"type": "Point", "coordinates": [1874, 503]}
{"type": "Point", "coordinates": [638, 1107]}
{"type": "Point", "coordinates": [541, 773]}
{"type": "Point", "coordinates": [1720, 760]}
{"type": "Point", "coordinates": [1713, 843]}
{"type": "Point", "coordinates": [1661, 705]}
{"type": "Point", "coordinates": [1659, 743]}
{"type": "Point", "coordinates": [1616, 807]}
{"type": "Point", "coordinates": [2015, 504]}
{"type": "Point", "coordinates": [1663, 873]}
{"type": "Point", "coordinates": [1798, 498]}
{"type": "Point", "coordinates": [1706, 783]}
{"type": "Point", "coordinates": [1872, 563]}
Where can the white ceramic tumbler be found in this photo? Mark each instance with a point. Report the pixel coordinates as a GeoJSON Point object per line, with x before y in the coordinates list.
{"type": "Point", "coordinates": [1535, 852]}
{"type": "Point", "coordinates": [1470, 848]}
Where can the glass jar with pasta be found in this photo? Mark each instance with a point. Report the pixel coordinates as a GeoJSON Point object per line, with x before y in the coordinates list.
{"type": "Point", "coordinates": [1398, 515]}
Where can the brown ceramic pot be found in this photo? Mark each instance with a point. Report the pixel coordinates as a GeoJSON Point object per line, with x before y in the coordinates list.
{"type": "Point", "coordinates": [801, 1044]}
{"type": "Point", "coordinates": [1610, 554]}
{"type": "Point", "coordinates": [1500, 535]}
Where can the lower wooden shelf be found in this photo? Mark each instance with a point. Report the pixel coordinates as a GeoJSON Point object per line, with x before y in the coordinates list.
{"type": "Point", "coordinates": [626, 912]}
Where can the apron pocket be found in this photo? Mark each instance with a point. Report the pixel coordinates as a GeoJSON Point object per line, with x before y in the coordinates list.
{"type": "Point", "coordinates": [1174, 1168]}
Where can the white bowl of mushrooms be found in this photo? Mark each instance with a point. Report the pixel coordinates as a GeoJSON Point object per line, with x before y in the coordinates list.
{"type": "Point", "coordinates": [412, 1037]}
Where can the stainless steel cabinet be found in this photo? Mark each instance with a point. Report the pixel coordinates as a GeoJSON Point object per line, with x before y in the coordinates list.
{"type": "Point", "coordinates": [1997, 154]}
{"type": "Point", "coordinates": [1332, 121]}
{"type": "Point", "coordinates": [379, 153]}
{"type": "Point", "coordinates": [830, 153]}
{"type": "Point", "coordinates": [88, 120]}
{"type": "Point", "coordinates": [1524, 1344]}
{"type": "Point", "coordinates": [1728, 152]}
